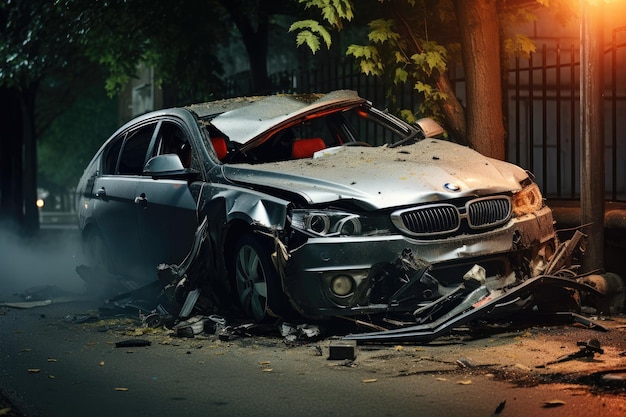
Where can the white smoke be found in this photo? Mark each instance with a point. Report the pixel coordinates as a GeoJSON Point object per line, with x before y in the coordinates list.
{"type": "Point", "coordinates": [47, 259]}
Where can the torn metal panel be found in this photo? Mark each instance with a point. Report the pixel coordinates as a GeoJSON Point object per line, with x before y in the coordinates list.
{"type": "Point", "coordinates": [488, 306]}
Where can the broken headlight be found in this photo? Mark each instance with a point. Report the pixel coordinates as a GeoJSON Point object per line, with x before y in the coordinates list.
{"type": "Point", "coordinates": [527, 200]}
{"type": "Point", "coordinates": [329, 223]}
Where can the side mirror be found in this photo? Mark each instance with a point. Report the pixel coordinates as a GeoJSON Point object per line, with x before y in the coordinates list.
{"type": "Point", "coordinates": [430, 128]}
{"type": "Point", "coordinates": [167, 166]}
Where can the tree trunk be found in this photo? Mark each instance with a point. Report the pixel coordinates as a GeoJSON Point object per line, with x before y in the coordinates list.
{"type": "Point", "coordinates": [11, 162]}
{"type": "Point", "coordinates": [480, 44]}
{"type": "Point", "coordinates": [256, 46]}
{"type": "Point", "coordinates": [31, 212]}
{"type": "Point", "coordinates": [253, 25]}
{"type": "Point", "coordinates": [452, 109]}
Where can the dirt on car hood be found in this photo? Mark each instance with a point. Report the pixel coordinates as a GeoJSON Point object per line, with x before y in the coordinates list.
{"type": "Point", "coordinates": [381, 177]}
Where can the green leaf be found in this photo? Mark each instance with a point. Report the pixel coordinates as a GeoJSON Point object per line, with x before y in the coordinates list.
{"type": "Point", "coordinates": [401, 76]}
{"type": "Point", "coordinates": [408, 116]}
{"type": "Point", "coordinates": [310, 33]}
{"type": "Point", "coordinates": [381, 31]}
{"type": "Point", "coordinates": [422, 87]}
{"type": "Point", "coordinates": [333, 11]}
{"type": "Point", "coordinates": [360, 51]}
{"type": "Point", "coordinates": [306, 37]}
{"type": "Point", "coordinates": [520, 45]}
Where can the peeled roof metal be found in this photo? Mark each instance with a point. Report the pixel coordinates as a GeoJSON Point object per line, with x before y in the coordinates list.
{"type": "Point", "coordinates": [245, 118]}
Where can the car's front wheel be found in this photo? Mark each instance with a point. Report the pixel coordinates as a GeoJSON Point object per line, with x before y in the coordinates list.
{"type": "Point", "coordinates": [256, 280]}
{"type": "Point", "coordinates": [95, 251]}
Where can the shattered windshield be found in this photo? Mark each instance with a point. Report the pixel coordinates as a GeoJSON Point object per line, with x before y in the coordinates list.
{"type": "Point", "coordinates": [289, 137]}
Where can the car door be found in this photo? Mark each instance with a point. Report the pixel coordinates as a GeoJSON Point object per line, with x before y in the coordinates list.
{"type": "Point", "coordinates": [114, 194]}
{"type": "Point", "coordinates": [166, 209]}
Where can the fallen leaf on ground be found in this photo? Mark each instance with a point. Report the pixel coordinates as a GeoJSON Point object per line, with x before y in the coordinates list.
{"type": "Point", "coordinates": [121, 389]}
{"type": "Point", "coordinates": [367, 381]}
{"type": "Point", "coordinates": [34, 370]}
{"type": "Point", "coordinates": [5, 411]}
{"type": "Point", "coordinates": [465, 382]}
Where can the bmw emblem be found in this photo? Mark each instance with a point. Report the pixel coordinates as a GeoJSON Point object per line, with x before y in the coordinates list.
{"type": "Point", "coordinates": [451, 187]}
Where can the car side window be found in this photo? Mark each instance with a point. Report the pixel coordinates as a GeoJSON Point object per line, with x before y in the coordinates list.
{"type": "Point", "coordinates": [111, 156]}
{"type": "Point", "coordinates": [171, 139]}
{"type": "Point", "coordinates": [134, 151]}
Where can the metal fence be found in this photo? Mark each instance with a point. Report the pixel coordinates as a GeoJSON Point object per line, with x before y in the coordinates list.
{"type": "Point", "coordinates": [543, 100]}
{"type": "Point", "coordinates": [542, 109]}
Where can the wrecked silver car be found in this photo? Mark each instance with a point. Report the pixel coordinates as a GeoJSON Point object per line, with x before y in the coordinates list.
{"type": "Point", "coordinates": [319, 205]}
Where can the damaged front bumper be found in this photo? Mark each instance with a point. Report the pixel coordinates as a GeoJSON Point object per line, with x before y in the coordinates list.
{"type": "Point", "coordinates": [359, 275]}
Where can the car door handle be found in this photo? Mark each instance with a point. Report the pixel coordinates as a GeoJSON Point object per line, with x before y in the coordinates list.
{"type": "Point", "coordinates": [101, 193]}
{"type": "Point", "coordinates": [141, 200]}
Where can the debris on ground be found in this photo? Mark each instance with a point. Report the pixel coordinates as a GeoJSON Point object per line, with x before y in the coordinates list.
{"type": "Point", "coordinates": [133, 343]}
{"type": "Point", "coordinates": [299, 332]}
{"type": "Point", "coordinates": [587, 351]}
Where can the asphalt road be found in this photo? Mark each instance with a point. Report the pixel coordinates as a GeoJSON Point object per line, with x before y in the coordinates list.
{"type": "Point", "coordinates": [53, 366]}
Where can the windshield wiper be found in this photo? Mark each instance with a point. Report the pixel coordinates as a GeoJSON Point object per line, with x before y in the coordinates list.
{"type": "Point", "coordinates": [415, 136]}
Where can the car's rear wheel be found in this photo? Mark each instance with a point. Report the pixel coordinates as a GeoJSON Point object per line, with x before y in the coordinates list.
{"type": "Point", "coordinates": [258, 285]}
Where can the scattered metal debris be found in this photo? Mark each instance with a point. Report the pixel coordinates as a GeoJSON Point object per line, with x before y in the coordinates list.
{"type": "Point", "coordinates": [304, 331]}
{"type": "Point", "coordinates": [587, 350]}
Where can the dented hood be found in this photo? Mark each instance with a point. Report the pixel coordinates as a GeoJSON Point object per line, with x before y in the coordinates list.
{"type": "Point", "coordinates": [382, 177]}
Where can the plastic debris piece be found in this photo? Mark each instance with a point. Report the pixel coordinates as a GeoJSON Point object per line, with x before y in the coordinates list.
{"type": "Point", "coordinates": [369, 381]}
{"type": "Point", "coordinates": [464, 363]}
{"type": "Point", "coordinates": [553, 403]}
{"type": "Point", "coordinates": [27, 304]}
{"type": "Point", "coordinates": [299, 332]}
{"type": "Point", "coordinates": [190, 327]}
{"type": "Point", "coordinates": [133, 343]}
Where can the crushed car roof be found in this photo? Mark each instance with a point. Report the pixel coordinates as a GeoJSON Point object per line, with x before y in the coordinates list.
{"type": "Point", "coordinates": [243, 119]}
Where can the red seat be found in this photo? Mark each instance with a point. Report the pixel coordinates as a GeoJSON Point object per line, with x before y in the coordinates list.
{"type": "Point", "coordinates": [219, 145]}
{"type": "Point", "coordinates": [306, 147]}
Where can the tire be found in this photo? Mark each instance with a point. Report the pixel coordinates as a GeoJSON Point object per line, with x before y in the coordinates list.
{"type": "Point", "coordinates": [95, 251]}
{"type": "Point", "coordinates": [256, 281]}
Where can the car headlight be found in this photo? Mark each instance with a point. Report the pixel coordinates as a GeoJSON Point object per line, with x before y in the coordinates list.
{"type": "Point", "coordinates": [336, 223]}
{"type": "Point", "coordinates": [527, 200]}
